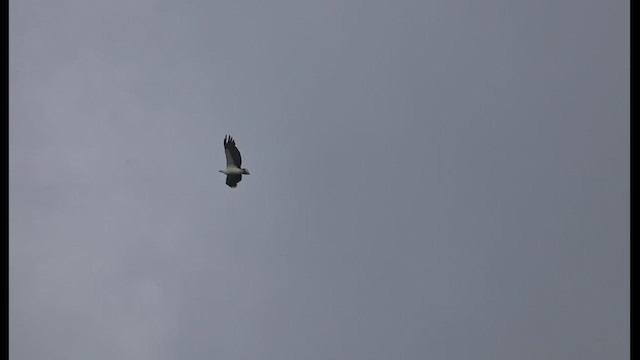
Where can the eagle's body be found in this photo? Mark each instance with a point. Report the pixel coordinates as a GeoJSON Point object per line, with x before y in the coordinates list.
{"type": "Point", "coordinates": [233, 170]}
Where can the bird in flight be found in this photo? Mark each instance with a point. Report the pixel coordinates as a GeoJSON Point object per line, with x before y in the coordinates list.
{"type": "Point", "coordinates": [233, 170]}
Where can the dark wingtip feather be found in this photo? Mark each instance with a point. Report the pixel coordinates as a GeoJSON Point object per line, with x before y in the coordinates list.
{"type": "Point", "coordinates": [228, 140]}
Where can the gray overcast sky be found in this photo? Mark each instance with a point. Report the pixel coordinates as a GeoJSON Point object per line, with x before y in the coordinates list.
{"type": "Point", "coordinates": [444, 179]}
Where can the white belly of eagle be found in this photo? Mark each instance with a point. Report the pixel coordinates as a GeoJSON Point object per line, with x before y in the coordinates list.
{"type": "Point", "coordinates": [232, 171]}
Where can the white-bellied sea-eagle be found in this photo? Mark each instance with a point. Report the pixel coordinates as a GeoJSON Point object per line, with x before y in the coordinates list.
{"type": "Point", "coordinates": [233, 170]}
